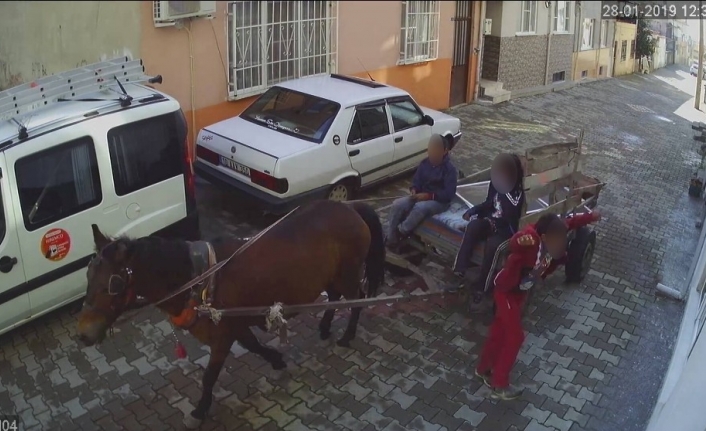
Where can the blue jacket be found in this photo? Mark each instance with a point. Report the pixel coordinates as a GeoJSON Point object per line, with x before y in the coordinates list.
{"type": "Point", "coordinates": [440, 180]}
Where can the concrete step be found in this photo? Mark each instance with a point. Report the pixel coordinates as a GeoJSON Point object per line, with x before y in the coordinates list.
{"type": "Point", "coordinates": [497, 96]}
{"type": "Point", "coordinates": [491, 85]}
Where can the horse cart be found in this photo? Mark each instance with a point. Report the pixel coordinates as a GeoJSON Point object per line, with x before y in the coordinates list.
{"type": "Point", "coordinates": [553, 182]}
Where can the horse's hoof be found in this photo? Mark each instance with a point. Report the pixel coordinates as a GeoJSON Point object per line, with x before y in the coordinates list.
{"type": "Point", "coordinates": [344, 342]}
{"type": "Point", "coordinates": [192, 423]}
{"type": "Point", "coordinates": [325, 335]}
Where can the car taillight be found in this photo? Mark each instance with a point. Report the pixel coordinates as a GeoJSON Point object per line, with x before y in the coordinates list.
{"type": "Point", "coordinates": [277, 185]}
{"type": "Point", "coordinates": [206, 154]}
{"type": "Point", "coordinates": [189, 177]}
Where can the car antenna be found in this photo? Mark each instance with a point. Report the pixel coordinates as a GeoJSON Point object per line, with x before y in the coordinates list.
{"type": "Point", "coordinates": [366, 70]}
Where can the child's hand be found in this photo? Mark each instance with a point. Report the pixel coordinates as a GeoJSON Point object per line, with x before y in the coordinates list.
{"type": "Point", "coordinates": [597, 216]}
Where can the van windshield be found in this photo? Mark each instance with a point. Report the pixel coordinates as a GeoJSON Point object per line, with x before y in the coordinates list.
{"type": "Point", "coordinates": [294, 113]}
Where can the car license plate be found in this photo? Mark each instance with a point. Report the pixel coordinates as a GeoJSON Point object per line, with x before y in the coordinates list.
{"type": "Point", "coordinates": [234, 166]}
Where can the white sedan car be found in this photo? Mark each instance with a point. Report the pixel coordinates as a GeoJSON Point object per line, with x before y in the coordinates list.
{"type": "Point", "coordinates": [319, 137]}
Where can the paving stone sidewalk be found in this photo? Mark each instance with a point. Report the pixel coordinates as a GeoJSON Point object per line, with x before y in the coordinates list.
{"type": "Point", "coordinates": [594, 356]}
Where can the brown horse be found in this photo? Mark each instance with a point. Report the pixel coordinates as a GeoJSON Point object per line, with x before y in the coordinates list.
{"type": "Point", "coordinates": [322, 246]}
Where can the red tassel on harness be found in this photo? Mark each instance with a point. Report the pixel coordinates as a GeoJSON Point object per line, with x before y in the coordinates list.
{"type": "Point", "coordinates": [180, 351]}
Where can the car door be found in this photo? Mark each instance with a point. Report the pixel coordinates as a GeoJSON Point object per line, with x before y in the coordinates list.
{"type": "Point", "coordinates": [14, 300]}
{"type": "Point", "coordinates": [410, 132]}
{"type": "Point", "coordinates": [58, 196]}
{"type": "Point", "coordinates": [369, 142]}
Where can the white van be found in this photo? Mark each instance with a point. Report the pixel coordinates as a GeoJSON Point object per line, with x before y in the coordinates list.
{"type": "Point", "coordinates": [116, 157]}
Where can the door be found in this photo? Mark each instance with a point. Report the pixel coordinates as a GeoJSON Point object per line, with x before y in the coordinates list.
{"type": "Point", "coordinates": [411, 134]}
{"type": "Point", "coordinates": [14, 300]}
{"type": "Point", "coordinates": [57, 197]}
{"type": "Point", "coordinates": [369, 142]}
{"type": "Point", "coordinates": [461, 54]}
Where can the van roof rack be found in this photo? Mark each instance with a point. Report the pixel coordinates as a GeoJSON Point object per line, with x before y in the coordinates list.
{"type": "Point", "coordinates": [371, 84]}
{"type": "Point", "coordinates": [64, 86]}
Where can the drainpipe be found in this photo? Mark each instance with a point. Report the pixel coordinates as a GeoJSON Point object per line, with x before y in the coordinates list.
{"type": "Point", "coordinates": [577, 40]}
{"type": "Point", "coordinates": [481, 43]}
{"type": "Point", "coordinates": [548, 5]}
{"type": "Point", "coordinates": [600, 42]}
{"type": "Point", "coordinates": [614, 49]}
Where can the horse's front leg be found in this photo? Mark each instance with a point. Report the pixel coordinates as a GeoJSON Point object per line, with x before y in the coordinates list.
{"type": "Point", "coordinates": [219, 352]}
{"type": "Point", "coordinates": [249, 341]}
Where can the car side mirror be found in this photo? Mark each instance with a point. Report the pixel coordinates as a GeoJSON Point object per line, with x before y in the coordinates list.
{"type": "Point", "coordinates": [428, 120]}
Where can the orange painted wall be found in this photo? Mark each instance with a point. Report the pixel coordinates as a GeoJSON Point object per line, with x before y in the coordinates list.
{"type": "Point", "coordinates": [365, 36]}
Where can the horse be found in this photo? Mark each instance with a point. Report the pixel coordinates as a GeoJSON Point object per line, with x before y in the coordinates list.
{"type": "Point", "coordinates": [322, 246]}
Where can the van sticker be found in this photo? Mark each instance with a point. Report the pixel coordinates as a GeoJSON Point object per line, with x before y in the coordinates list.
{"type": "Point", "coordinates": [56, 244]}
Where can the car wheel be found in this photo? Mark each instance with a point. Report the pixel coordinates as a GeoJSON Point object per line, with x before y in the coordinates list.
{"type": "Point", "coordinates": [340, 192]}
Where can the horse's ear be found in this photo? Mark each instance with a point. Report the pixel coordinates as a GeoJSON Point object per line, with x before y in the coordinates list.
{"type": "Point", "coordinates": [98, 238]}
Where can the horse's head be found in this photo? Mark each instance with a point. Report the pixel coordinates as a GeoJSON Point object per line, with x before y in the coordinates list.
{"type": "Point", "coordinates": [112, 287]}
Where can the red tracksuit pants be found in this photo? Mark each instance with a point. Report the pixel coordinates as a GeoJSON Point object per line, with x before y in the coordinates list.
{"type": "Point", "coordinates": [504, 339]}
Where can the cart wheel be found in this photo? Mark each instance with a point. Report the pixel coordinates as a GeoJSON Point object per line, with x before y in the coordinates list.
{"type": "Point", "coordinates": [580, 255]}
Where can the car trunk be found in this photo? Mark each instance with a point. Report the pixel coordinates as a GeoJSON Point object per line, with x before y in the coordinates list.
{"type": "Point", "coordinates": [257, 147]}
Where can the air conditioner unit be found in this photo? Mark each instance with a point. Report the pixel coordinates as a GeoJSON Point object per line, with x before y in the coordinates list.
{"type": "Point", "coordinates": [167, 12]}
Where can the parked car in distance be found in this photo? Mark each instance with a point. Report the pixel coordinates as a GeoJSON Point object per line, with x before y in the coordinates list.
{"type": "Point", "coordinates": [120, 162]}
{"type": "Point", "coordinates": [324, 136]}
{"type": "Point", "coordinates": [694, 69]}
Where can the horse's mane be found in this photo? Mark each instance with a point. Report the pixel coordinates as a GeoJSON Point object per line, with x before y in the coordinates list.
{"type": "Point", "coordinates": [159, 254]}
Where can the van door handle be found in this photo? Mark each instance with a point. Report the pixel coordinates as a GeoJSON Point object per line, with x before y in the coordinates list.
{"type": "Point", "coordinates": [6, 264]}
{"type": "Point", "coordinates": [353, 153]}
{"type": "Point", "coordinates": [399, 139]}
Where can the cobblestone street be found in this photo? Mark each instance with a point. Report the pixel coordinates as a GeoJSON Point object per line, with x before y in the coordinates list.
{"type": "Point", "coordinates": [593, 360]}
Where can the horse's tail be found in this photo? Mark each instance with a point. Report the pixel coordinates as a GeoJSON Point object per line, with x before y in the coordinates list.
{"type": "Point", "coordinates": [375, 261]}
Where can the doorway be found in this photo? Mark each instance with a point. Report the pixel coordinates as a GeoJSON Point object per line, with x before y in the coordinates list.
{"type": "Point", "coordinates": [461, 54]}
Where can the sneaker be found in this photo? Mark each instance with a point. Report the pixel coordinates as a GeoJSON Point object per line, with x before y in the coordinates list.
{"type": "Point", "coordinates": [508, 393]}
{"type": "Point", "coordinates": [485, 377]}
{"type": "Point", "coordinates": [477, 305]}
{"type": "Point", "coordinates": [455, 285]}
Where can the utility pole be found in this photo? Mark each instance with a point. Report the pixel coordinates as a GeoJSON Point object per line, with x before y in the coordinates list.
{"type": "Point", "coordinates": [700, 73]}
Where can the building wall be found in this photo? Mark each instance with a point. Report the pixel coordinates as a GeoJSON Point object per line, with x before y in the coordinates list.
{"type": "Point", "coordinates": [61, 35]}
{"type": "Point", "coordinates": [659, 58]}
{"type": "Point", "coordinates": [368, 38]}
{"type": "Point", "coordinates": [519, 60]}
{"type": "Point", "coordinates": [624, 32]}
{"type": "Point", "coordinates": [40, 38]}
{"type": "Point", "coordinates": [589, 61]}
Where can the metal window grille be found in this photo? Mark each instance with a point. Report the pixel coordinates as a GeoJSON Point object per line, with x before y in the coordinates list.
{"type": "Point", "coordinates": [604, 34]}
{"type": "Point", "coordinates": [624, 50]}
{"type": "Point", "coordinates": [528, 20]}
{"type": "Point", "coordinates": [562, 16]}
{"type": "Point", "coordinates": [588, 25]}
{"type": "Point", "coordinates": [419, 33]}
{"type": "Point", "coordinates": [274, 41]}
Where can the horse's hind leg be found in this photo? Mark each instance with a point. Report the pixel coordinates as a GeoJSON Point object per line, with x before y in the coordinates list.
{"type": "Point", "coordinates": [354, 285]}
{"type": "Point", "coordinates": [219, 352]}
{"type": "Point", "coordinates": [325, 323]}
{"type": "Point", "coordinates": [248, 340]}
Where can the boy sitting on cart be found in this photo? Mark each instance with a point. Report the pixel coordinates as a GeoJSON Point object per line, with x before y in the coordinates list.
{"type": "Point", "coordinates": [535, 252]}
{"type": "Point", "coordinates": [494, 221]}
{"type": "Point", "coordinates": [433, 188]}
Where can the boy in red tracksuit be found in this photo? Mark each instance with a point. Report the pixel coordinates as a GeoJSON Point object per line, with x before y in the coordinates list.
{"type": "Point", "coordinates": [535, 252]}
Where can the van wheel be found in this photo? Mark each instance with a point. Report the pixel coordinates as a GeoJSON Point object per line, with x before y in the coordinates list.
{"type": "Point", "coordinates": [342, 191]}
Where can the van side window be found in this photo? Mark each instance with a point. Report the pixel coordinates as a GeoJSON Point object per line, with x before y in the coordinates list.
{"type": "Point", "coordinates": [145, 153]}
{"type": "Point", "coordinates": [368, 123]}
{"type": "Point", "coordinates": [59, 182]}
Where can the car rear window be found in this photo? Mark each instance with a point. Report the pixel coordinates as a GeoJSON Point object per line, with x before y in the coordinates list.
{"type": "Point", "coordinates": [145, 153]}
{"type": "Point", "coordinates": [294, 113]}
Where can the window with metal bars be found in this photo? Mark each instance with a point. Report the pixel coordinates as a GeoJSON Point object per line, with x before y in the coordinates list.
{"type": "Point", "coordinates": [275, 41]}
{"type": "Point", "coordinates": [419, 33]}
